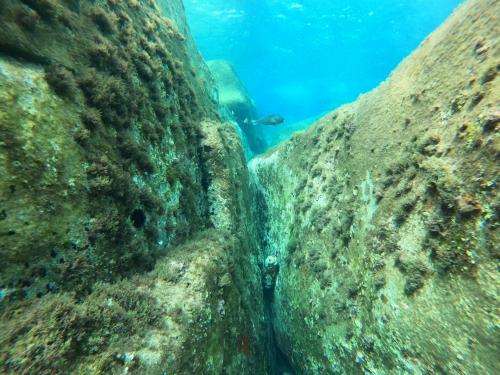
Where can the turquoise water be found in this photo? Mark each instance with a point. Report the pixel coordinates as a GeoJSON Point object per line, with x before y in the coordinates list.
{"type": "Point", "coordinates": [302, 58]}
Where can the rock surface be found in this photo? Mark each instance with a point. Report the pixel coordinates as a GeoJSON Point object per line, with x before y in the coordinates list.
{"type": "Point", "coordinates": [232, 93]}
{"type": "Point", "coordinates": [384, 217]}
{"type": "Point", "coordinates": [127, 242]}
{"type": "Point", "coordinates": [236, 104]}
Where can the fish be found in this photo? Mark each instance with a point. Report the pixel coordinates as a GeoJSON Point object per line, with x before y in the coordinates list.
{"type": "Point", "coordinates": [272, 120]}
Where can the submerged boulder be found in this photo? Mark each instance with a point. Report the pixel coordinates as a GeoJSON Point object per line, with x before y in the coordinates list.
{"type": "Point", "coordinates": [122, 199]}
{"type": "Point", "coordinates": [233, 95]}
{"type": "Point", "coordinates": [383, 217]}
{"type": "Point", "coordinates": [236, 103]}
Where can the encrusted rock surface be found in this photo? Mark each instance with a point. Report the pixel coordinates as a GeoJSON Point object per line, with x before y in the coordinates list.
{"type": "Point", "coordinates": [384, 217]}
{"type": "Point", "coordinates": [237, 105]}
{"type": "Point", "coordinates": [233, 95]}
{"type": "Point", "coordinates": [127, 242]}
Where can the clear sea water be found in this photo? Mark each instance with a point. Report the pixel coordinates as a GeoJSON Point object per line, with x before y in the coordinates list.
{"type": "Point", "coordinates": [305, 57]}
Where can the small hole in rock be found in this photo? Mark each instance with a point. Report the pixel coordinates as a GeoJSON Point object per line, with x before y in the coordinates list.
{"type": "Point", "coordinates": [138, 218]}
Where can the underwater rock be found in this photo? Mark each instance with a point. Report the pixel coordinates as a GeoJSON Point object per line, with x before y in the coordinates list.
{"type": "Point", "coordinates": [114, 172]}
{"type": "Point", "coordinates": [236, 103]}
{"type": "Point", "coordinates": [383, 217]}
{"type": "Point", "coordinates": [232, 94]}
{"type": "Point", "coordinates": [271, 268]}
{"type": "Point", "coordinates": [131, 229]}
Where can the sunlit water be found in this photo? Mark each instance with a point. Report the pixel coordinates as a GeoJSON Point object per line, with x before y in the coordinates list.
{"type": "Point", "coordinates": [305, 57]}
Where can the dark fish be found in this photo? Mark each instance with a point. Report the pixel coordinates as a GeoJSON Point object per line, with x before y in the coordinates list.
{"type": "Point", "coordinates": [269, 120]}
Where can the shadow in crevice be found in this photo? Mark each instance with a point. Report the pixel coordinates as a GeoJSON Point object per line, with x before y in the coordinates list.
{"type": "Point", "coordinates": [282, 364]}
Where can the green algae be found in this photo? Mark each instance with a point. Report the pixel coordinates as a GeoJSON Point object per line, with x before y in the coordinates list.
{"type": "Point", "coordinates": [97, 332]}
{"type": "Point", "coordinates": [101, 82]}
{"type": "Point", "coordinates": [111, 155]}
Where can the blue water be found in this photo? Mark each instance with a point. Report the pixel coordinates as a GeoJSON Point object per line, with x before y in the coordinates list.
{"type": "Point", "coordinates": [305, 57]}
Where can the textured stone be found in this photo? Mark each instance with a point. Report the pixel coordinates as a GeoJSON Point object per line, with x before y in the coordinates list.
{"type": "Point", "coordinates": [233, 95]}
{"type": "Point", "coordinates": [127, 238]}
{"type": "Point", "coordinates": [383, 217]}
{"type": "Point", "coordinates": [237, 105]}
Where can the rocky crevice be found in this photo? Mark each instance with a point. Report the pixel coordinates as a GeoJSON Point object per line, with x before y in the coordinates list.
{"type": "Point", "coordinates": [134, 238]}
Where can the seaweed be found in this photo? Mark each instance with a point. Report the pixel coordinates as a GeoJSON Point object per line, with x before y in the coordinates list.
{"type": "Point", "coordinates": [107, 58]}
{"type": "Point", "coordinates": [489, 75]}
{"type": "Point", "coordinates": [135, 4]}
{"type": "Point", "coordinates": [61, 80]}
{"type": "Point", "coordinates": [57, 328]}
{"type": "Point", "coordinates": [109, 95]}
{"type": "Point", "coordinates": [110, 179]}
{"type": "Point", "coordinates": [451, 252]}
{"type": "Point", "coordinates": [91, 118]}
{"type": "Point", "coordinates": [404, 209]}
{"type": "Point", "coordinates": [442, 183]}
{"type": "Point", "coordinates": [379, 282]}
{"type": "Point", "coordinates": [82, 135]}
{"type": "Point", "coordinates": [428, 145]}
{"type": "Point", "coordinates": [151, 201]}
{"type": "Point", "coordinates": [43, 332]}
{"type": "Point", "coordinates": [415, 271]}
{"type": "Point", "coordinates": [26, 18]}
{"type": "Point", "coordinates": [132, 150]}
{"type": "Point", "coordinates": [47, 9]}
{"type": "Point", "coordinates": [73, 5]}
{"type": "Point", "coordinates": [490, 122]}
{"type": "Point", "coordinates": [110, 226]}
{"type": "Point", "coordinates": [104, 20]}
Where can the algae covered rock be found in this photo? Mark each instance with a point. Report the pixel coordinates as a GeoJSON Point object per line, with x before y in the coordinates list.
{"type": "Point", "coordinates": [233, 95]}
{"type": "Point", "coordinates": [131, 229]}
{"type": "Point", "coordinates": [383, 217]}
{"type": "Point", "coordinates": [114, 172]}
{"type": "Point", "coordinates": [236, 103]}
{"type": "Point", "coordinates": [183, 317]}
{"type": "Point", "coordinates": [102, 132]}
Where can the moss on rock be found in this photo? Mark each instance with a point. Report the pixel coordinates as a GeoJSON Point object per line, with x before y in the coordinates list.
{"type": "Point", "coordinates": [105, 114]}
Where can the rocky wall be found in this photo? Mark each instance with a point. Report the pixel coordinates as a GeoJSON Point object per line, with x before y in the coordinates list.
{"type": "Point", "coordinates": [126, 236]}
{"type": "Point", "coordinates": [384, 217]}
